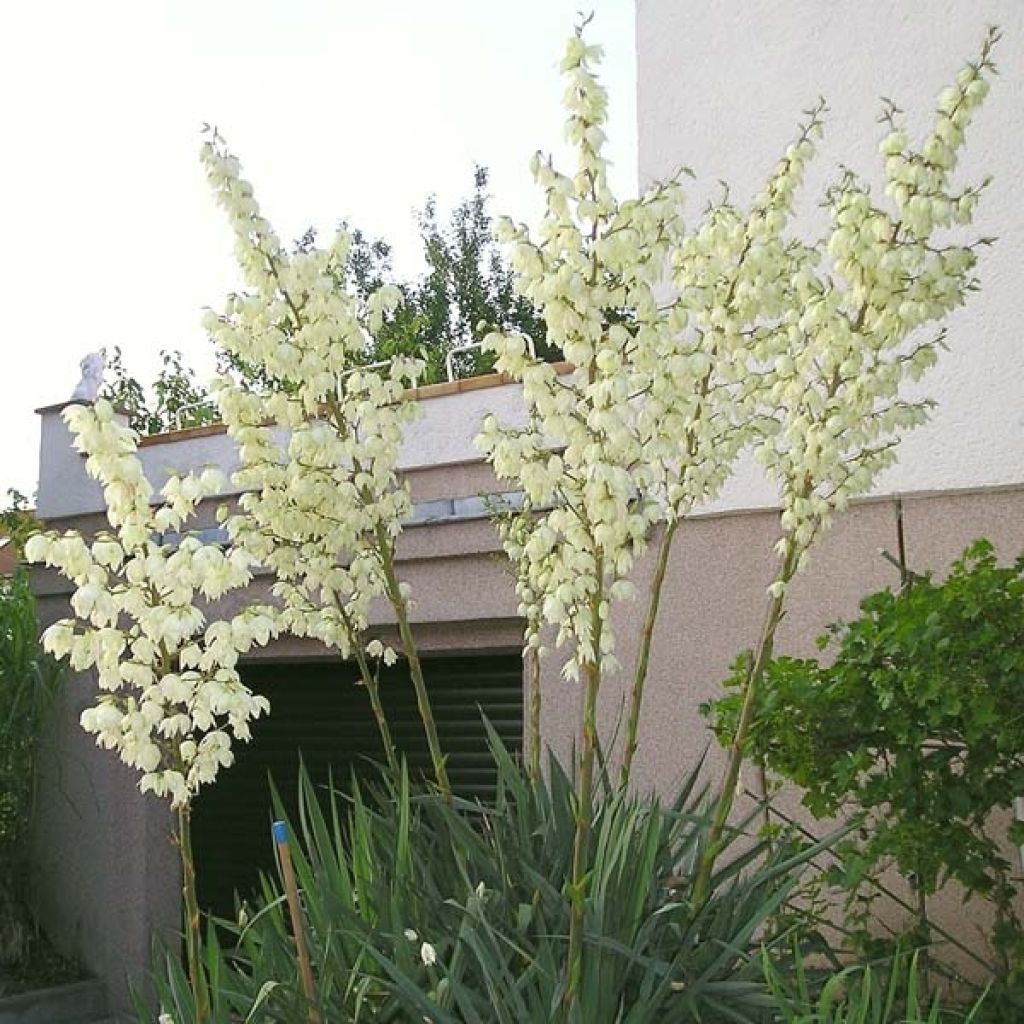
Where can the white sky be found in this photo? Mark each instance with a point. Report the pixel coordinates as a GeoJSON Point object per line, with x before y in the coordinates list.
{"type": "Point", "coordinates": [337, 108]}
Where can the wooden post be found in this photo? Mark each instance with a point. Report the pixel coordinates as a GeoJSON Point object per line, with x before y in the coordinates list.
{"type": "Point", "coordinates": [280, 831]}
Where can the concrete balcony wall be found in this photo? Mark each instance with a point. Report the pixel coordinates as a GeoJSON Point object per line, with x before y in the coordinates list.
{"type": "Point", "coordinates": [441, 437]}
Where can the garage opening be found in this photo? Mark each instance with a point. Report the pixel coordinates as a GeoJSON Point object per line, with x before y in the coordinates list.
{"type": "Point", "coordinates": [320, 714]}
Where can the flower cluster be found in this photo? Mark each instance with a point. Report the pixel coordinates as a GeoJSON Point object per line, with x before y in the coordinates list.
{"type": "Point", "coordinates": [853, 332]}
{"type": "Point", "coordinates": [658, 405]}
{"type": "Point", "coordinates": [319, 446]}
{"type": "Point", "coordinates": [171, 700]}
{"type": "Point", "coordinates": [689, 346]}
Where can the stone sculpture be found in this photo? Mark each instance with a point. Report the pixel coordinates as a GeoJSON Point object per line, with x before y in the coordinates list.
{"type": "Point", "coordinates": [88, 388]}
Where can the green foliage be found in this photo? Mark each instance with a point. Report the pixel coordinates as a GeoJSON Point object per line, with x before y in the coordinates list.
{"type": "Point", "coordinates": [17, 520]}
{"type": "Point", "coordinates": [28, 679]}
{"type": "Point", "coordinates": [889, 993]}
{"type": "Point", "coordinates": [176, 399]}
{"type": "Point", "coordinates": [227, 989]}
{"type": "Point", "coordinates": [467, 285]}
{"type": "Point", "coordinates": [486, 887]}
{"type": "Point", "coordinates": [917, 723]}
{"type": "Point", "coordinates": [466, 290]}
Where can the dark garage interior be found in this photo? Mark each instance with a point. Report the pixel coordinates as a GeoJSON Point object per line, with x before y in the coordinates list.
{"type": "Point", "coordinates": [319, 713]}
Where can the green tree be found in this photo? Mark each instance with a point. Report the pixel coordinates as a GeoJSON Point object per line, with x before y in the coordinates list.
{"type": "Point", "coordinates": [465, 291]}
{"type": "Point", "coordinates": [468, 288]}
{"type": "Point", "coordinates": [175, 400]}
{"type": "Point", "coordinates": [917, 725]}
{"type": "Point", "coordinates": [17, 520]}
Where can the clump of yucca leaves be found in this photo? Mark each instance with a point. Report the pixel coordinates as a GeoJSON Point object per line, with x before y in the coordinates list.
{"type": "Point", "coordinates": [893, 992]}
{"type": "Point", "coordinates": [392, 867]}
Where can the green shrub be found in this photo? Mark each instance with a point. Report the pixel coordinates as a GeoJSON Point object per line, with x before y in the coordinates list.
{"type": "Point", "coordinates": [28, 680]}
{"type": "Point", "coordinates": [916, 723]}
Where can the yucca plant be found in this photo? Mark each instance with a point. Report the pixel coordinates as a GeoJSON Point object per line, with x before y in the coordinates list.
{"type": "Point", "coordinates": [417, 907]}
{"type": "Point", "coordinates": [501, 945]}
{"type": "Point", "coordinates": [175, 994]}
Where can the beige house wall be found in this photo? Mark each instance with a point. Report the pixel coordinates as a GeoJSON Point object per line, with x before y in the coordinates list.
{"type": "Point", "coordinates": [107, 878]}
{"type": "Point", "coordinates": [720, 89]}
{"type": "Point", "coordinates": [721, 86]}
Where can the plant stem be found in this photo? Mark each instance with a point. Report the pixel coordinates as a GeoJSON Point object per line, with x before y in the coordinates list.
{"type": "Point", "coordinates": [373, 689]}
{"type": "Point", "coordinates": [585, 808]}
{"type": "Point", "coordinates": [644, 657]}
{"type": "Point", "coordinates": [924, 932]}
{"type": "Point", "coordinates": [534, 723]}
{"type": "Point", "coordinates": [193, 932]}
{"type": "Point", "coordinates": [755, 673]}
{"type": "Point", "coordinates": [921, 896]}
{"type": "Point", "coordinates": [398, 602]}
{"type": "Point", "coordinates": [762, 778]}
{"type": "Point", "coordinates": [1006, 923]}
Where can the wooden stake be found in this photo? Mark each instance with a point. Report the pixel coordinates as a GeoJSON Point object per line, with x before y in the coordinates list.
{"type": "Point", "coordinates": [280, 831]}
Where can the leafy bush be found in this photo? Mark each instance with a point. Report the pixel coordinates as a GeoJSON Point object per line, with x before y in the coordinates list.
{"type": "Point", "coordinates": [916, 723]}
{"type": "Point", "coordinates": [28, 679]}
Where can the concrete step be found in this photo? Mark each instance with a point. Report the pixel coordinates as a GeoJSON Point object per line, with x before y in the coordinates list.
{"type": "Point", "coordinates": [81, 1002]}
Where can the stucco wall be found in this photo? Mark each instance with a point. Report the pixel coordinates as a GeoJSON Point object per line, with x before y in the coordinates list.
{"type": "Point", "coordinates": [720, 89]}
{"type": "Point", "coordinates": [107, 873]}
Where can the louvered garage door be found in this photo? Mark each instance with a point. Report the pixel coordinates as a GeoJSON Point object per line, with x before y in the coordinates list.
{"type": "Point", "coordinates": [318, 710]}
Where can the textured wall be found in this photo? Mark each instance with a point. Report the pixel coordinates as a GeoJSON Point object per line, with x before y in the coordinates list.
{"type": "Point", "coordinates": [721, 87]}
{"type": "Point", "coordinates": [107, 876]}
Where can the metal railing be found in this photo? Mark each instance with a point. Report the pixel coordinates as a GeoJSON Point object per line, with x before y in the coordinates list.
{"type": "Point", "coordinates": [449, 359]}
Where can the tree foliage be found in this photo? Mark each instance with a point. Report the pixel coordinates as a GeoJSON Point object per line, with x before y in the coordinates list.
{"type": "Point", "coordinates": [175, 400]}
{"type": "Point", "coordinates": [17, 520]}
{"type": "Point", "coordinates": [466, 290]}
{"type": "Point", "coordinates": [916, 722]}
